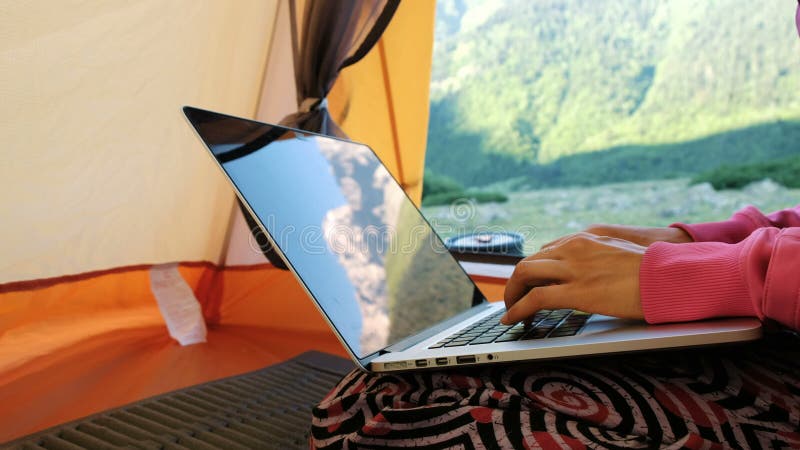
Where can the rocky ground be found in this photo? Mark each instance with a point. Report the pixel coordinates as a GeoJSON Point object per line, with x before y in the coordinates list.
{"type": "Point", "coordinates": [542, 215]}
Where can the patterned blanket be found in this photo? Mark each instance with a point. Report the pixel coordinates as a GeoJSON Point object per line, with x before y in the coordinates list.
{"type": "Point", "coordinates": [739, 396]}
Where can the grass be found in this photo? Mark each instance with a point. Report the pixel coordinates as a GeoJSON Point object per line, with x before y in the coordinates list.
{"type": "Point", "coordinates": [785, 171]}
{"type": "Point", "coordinates": [443, 190]}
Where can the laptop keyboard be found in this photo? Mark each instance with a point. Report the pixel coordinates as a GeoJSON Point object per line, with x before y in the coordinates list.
{"type": "Point", "coordinates": [545, 324]}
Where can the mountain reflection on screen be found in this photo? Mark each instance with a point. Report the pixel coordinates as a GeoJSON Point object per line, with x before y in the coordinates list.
{"type": "Point", "coordinates": [357, 242]}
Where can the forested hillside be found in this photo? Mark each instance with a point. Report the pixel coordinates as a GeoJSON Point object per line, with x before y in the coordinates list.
{"type": "Point", "coordinates": [564, 92]}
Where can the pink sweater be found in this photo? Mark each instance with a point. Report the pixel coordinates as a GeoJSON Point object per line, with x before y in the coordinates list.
{"type": "Point", "coordinates": [748, 265]}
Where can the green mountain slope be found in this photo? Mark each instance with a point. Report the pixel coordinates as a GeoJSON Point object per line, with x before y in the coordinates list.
{"type": "Point", "coordinates": [543, 88]}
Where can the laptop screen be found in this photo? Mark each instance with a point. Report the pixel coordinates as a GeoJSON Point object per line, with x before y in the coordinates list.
{"type": "Point", "coordinates": [346, 227]}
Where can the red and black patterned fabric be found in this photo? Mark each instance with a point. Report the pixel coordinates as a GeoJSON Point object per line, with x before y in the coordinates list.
{"type": "Point", "coordinates": [741, 396]}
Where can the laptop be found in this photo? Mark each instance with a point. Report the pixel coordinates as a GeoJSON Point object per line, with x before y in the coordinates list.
{"type": "Point", "coordinates": [380, 275]}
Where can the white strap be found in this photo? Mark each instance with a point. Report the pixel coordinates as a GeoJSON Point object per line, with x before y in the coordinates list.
{"type": "Point", "coordinates": [178, 305]}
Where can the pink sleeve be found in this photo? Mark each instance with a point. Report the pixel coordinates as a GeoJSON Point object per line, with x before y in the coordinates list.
{"type": "Point", "coordinates": [759, 276]}
{"type": "Point", "coordinates": [740, 225]}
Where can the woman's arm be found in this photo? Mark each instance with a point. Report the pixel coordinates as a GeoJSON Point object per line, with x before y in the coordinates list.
{"type": "Point", "coordinates": [740, 225]}
{"type": "Point", "coordinates": [758, 276]}
{"type": "Point", "coordinates": [665, 282]}
{"type": "Point", "coordinates": [731, 231]}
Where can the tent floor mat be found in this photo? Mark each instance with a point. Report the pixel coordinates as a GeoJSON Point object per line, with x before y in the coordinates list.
{"type": "Point", "coordinates": [267, 408]}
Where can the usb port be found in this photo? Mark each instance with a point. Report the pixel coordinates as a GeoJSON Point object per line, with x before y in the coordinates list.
{"type": "Point", "coordinates": [422, 363]}
{"type": "Point", "coordinates": [465, 359]}
{"type": "Point", "coordinates": [441, 361]}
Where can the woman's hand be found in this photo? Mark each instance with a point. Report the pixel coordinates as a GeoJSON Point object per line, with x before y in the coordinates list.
{"type": "Point", "coordinates": [638, 235]}
{"type": "Point", "coordinates": [596, 274]}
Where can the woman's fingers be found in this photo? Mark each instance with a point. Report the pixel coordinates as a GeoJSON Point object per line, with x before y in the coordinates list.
{"type": "Point", "coordinates": [563, 240]}
{"type": "Point", "coordinates": [597, 274]}
{"type": "Point", "coordinates": [543, 297]}
{"type": "Point", "coordinates": [532, 273]}
{"type": "Point", "coordinates": [638, 235]}
{"type": "Point", "coordinates": [641, 235]}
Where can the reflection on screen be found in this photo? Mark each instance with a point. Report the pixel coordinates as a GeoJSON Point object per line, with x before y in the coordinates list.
{"type": "Point", "coordinates": [360, 246]}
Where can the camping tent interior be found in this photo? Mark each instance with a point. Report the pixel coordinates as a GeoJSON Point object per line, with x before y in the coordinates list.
{"type": "Point", "coordinates": [104, 183]}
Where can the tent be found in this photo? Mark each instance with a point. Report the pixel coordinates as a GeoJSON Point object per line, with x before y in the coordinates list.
{"type": "Point", "coordinates": [106, 189]}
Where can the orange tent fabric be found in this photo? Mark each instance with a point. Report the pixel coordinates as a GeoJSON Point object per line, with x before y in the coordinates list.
{"type": "Point", "coordinates": [77, 345]}
{"type": "Point", "coordinates": [102, 342]}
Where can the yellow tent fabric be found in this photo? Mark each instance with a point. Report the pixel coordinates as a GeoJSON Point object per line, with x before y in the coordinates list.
{"type": "Point", "coordinates": [389, 112]}
{"type": "Point", "coordinates": [102, 178]}
{"type": "Point", "coordinates": [395, 73]}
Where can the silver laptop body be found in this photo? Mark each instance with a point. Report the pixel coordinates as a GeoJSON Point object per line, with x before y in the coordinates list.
{"type": "Point", "coordinates": [378, 272]}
